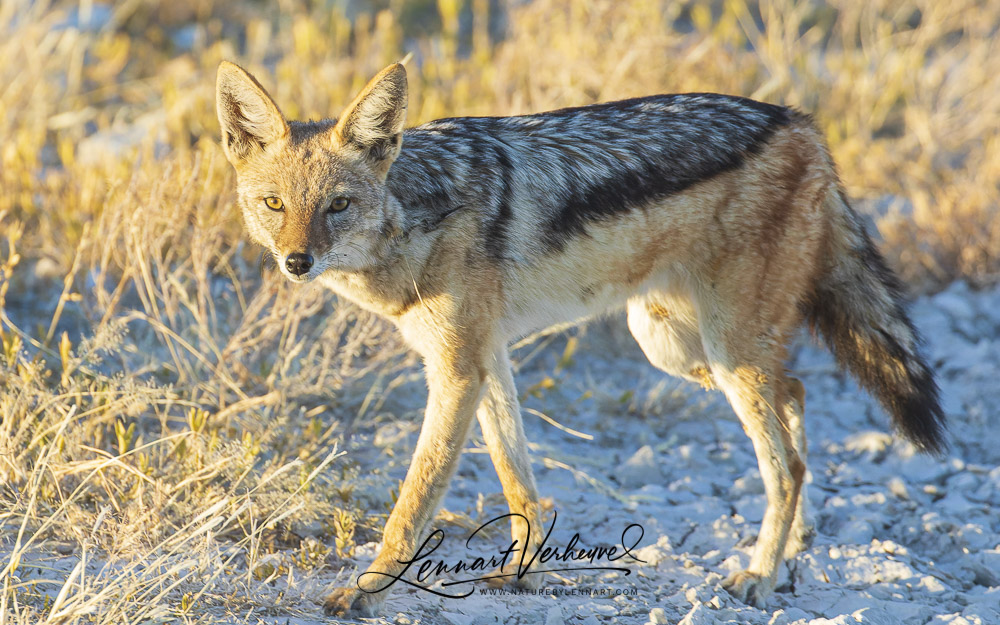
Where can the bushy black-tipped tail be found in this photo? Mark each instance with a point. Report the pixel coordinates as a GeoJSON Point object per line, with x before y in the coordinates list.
{"type": "Point", "coordinates": [859, 309]}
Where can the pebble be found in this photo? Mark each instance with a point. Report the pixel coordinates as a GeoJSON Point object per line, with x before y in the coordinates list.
{"type": "Point", "coordinates": [554, 616]}
{"type": "Point", "coordinates": [639, 470]}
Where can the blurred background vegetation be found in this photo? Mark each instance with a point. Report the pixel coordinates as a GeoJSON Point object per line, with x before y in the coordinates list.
{"type": "Point", "coordinates": [166, 404]}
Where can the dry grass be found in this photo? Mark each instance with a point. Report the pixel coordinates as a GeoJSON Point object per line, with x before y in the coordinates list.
{"type": "Point", "coordinates": [173, 419]}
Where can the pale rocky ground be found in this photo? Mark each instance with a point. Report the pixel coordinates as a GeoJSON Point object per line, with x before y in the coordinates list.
{"type": "Point", "coordinates": [901, 537]}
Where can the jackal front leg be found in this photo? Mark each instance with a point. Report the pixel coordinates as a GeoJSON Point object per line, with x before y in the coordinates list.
{"type": "Point", "coordinates": [455, 389]}
{"type": "Point", "coordinates": [500, 420]}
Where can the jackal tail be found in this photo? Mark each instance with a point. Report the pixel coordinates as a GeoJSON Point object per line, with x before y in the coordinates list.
{"type": "Point", "coordinates": [858, 307]}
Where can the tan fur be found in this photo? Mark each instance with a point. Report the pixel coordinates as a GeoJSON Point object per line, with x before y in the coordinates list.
{"type": "Point", "coordinates": [713, 279]}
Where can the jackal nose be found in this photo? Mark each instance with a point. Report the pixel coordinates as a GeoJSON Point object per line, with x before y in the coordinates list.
{"type": "Point", "coordinates": [299, 263]}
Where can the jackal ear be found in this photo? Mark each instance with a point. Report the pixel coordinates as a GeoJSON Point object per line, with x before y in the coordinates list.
{"type": "Point", "coordinates": [249, 118]}
{"type": "Point", "coordinates": [373, 124]}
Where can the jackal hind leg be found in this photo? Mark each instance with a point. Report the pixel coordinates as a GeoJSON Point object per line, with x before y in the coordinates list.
{"type": "Point", "coordinates": [803, 531]}
{"type": "Point", "coordinates": [745, 363]}
{"type": "Point", "coordinates": [499, 417]}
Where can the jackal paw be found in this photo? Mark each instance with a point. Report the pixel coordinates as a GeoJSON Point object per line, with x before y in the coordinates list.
{"type": "Point", "coordinates": [800, 538]}
{"type": "Point", "coordinates": [352, 603]}
{"type": "Point", "coordinates": [750, 588]}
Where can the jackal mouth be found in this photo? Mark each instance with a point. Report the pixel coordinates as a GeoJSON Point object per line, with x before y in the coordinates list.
{"type": "Point", "coordinates": [299, 279]}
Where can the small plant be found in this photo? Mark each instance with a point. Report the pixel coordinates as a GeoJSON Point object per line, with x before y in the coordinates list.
{"type": "Point", "coordinates": [312, 554]}
{"type": "Point", "coordinates": [124, 435]}
{"type": "Point", "coordinates": [197, 419]}
{"type": "Point", "coordinates": [344, 525]}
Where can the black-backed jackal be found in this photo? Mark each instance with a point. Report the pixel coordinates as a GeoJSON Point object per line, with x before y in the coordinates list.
{"type": "Point", "coordinates": [716, 221]}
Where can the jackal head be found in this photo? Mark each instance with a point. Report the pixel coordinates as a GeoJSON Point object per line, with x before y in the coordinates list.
{"type": "Point", "coordinates": [314, 193]}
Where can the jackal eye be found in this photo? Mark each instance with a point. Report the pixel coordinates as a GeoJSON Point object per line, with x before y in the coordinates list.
{"type": "Point", "coordinates": [339, 203]}
{"type": "Point", "coordinates": [274, 203]}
